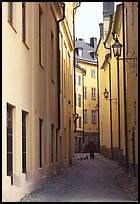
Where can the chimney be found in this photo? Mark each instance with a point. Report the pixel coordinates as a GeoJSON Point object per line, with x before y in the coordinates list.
{"type": "Point", "coordinates": [81, 39]}
{"type": "Point", "coordinates": [93, 42]}
{"type": "Point", "coordinates": [108, 9]}
{"type": "Point", "coordinates": [101, 30]}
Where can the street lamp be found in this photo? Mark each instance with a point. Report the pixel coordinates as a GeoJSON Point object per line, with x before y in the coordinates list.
{"type": "Point", "coordinates": [106, 95]}
{"type": "Point", "coordinates": [117, 48]}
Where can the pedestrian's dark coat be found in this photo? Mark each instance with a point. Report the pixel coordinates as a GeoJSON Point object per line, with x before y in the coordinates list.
{"type": "Point", "coordinates": [91, 147]}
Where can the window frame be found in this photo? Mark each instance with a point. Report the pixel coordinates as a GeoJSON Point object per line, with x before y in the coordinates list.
{"type": "Point", "coordinates": [93, 113]}
{"type": "Point", "coordinates": [85, 116]}
{"type": "Point", "coordinates": [24, 22]}
{"type": "Point", "coordinates": [79, 100]}
{"type": "Point", "coordinates": [79, 122]}
{"type": "Point", "coordinates": [24, 124]}
{"type": "Point", "coordinates": [93, 73]}
{"type": "Point", "coordinates": [93, 93]}
{"type": "Point", "coordinates": [85, 92]}
{"type": "Point", "coordinates": [10, 142]}
{"type": "Point", "coordinates": [10, 13]}
{"type": "Point", "coordinates": [40, 142]}
{"type": "Point", "coordinates": [40, 35]}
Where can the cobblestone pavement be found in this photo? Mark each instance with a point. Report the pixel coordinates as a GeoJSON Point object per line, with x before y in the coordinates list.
{"type": "Point", "coordinates": [128, 181]}
{"type": "Point", "coordinates": [86, 181]}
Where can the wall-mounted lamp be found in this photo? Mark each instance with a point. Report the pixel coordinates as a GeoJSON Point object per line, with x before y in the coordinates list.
{"type": "Point", "coordinates": [106, 95]}
{"type": "Point", "coordinates": [75, 116]}
{"type": "Point", "coordinates": [96, 107]}
{"type": "Point", "coordinates": [117, 48]}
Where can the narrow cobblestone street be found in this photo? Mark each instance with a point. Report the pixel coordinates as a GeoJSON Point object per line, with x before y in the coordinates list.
{"type": "Point", "coordinates": [86, 181]}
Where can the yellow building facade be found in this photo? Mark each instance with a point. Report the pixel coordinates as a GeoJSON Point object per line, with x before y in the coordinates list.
{"type": "Point", "coordinates": [118, 126]}
{"type": "Point", "coordinates": [37, 94]}
{"type": "Point", "coordinates": [86, 94]}
{"type": "Point", "coordinates": [131, 65]}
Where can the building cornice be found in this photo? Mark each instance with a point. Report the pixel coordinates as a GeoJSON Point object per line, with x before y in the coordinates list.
{"type": "Point", "coordinates": [117, 19]}
{"type": "Point", "coordinates": [87, 61]}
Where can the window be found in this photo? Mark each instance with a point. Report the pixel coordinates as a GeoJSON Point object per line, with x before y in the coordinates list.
{"type": "Point", "coordinates": [80, 52]}
{"type": "Point", "coordinates": [93, 93]}
{"type": "Point", "coordinates": [24, 21]}
{"type": "Point", "coordinates": [56, 145]}
{"type": "Point", "coordinates": [52, 57]}
{"type": "Point", "coordinates": [93, 116]}
{"type": "Point", "coordinates": [85, 92]}
{"type": "Point", "coordinates": [75, 78]}
{"type": "Point", "coordinates": [79, 122]}
{"type": "Point", "coordinates": [85, 71]}
{"type": "Point", "coordinates": [40, 34]}
{"type": "Point", "coordinates": [79, 100]}
{"type": "Point", "coordinates": [135, 113]}
{"type": "Point", "coordinates": [52, 140]}
{"type": "Point", "coordinates": [126, 33]}
{"type": "Point", "coordinates": [23, 142]}
{"type": "Point", "coordinates": [40, 141]}
{"type": "Point", "coordinates": [132, 23]}
{"type": "Point", "coordinates": [10, 142]}
{"type": "Point", "coordinates": [85, 116]}
{"type": "Point", "coordinates": [10, 12]}
{"type": "Point", "coordinates": [79, 80]}
{"type": "Point", "coordinates": [93, 73]}
{"type": "Point", "coordinates": [65, 141]}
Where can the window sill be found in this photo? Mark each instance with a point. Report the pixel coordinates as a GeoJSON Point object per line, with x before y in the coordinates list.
{"type": "Point", "coordinates": [12, 26]}
{"type": "Point", "coordinates": [25, 44]}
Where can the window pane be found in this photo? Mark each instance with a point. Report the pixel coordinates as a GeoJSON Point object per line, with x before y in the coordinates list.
{"type": "Point", "coordinates": [9, 164]}
{"type": "Point", "coordinates": [9, 140]}
{"type": "Point", "coordinates": [23, 21]}
{"type": "Point", "coordinates": [23, 144]}
{"type": "Point", "coordinates": [10, 12]}
{"type": "Point", "coordinates": [9, 143]}
{"type": "Point", "coordinates": [24, 162]}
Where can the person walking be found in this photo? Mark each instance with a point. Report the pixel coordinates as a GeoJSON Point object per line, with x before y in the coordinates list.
{"type": "Point", "coordinates": [91, 147]}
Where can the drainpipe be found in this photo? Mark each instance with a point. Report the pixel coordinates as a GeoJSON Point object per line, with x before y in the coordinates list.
{"type": "Point", "coordinates": [110, 103]}
{"type": "Point", "coordinates": [59, 77]}
{"type": "Point", "coordinates": [74, 64]}
{"type": "Point", "coordinates": [96, 55]}
{"type": "Point", "coordinates": [124, 85]}
{"type": "Point", "coordinates": [83, 107]}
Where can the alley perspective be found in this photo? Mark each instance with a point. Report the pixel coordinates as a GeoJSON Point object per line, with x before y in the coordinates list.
{"type": "Point", "coordinates": [69, 107]}
{"type": "Point", "coordinates": [85, 181]}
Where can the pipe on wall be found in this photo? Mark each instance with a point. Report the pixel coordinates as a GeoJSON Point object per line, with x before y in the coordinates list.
{"type": "Point", "coordinates": [58, 75]}
{"type": "Point", "coordinates": [124, 84]}
{"type": "Point", "coordinates": [110, 103]}
{"type": "Point", "coordinates": [74, 64]}
{"type": "Point", "coordinates": [96, 55]}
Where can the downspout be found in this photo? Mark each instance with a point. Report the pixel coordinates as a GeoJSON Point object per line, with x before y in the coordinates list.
{"type": "Point", "coordinates": [96, 55]}
{"type": "Point", "coordinates": [83, 108]}
{"type": "Point", "coordinates": [110, 103]}
{"type": "Point", "coordinates": [124, 84]}
{"type": "Point", "coordinates": [59, 77]}
{"type": "Point", "coordinates": [74, 64]}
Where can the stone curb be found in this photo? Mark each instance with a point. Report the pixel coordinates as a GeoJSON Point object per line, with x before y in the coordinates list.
{"type": "Point", "coordinates": [128, 182]}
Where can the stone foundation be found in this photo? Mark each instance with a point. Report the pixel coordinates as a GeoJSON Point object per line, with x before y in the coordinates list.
{"type": "Point", "coordinates": [24, 184]}
{"type": "Point", "coordinates": [106, 152]}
